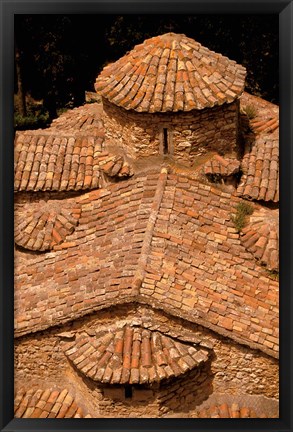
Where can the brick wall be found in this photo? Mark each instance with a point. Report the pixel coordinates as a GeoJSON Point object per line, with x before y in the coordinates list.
{"type": "Point", "coordinates": [233, 369]}
{"type": "Point", "coordinates": [187, 134]}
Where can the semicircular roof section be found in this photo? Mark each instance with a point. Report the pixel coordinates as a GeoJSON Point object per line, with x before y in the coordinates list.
{"type": "Point", "coordinates": [261, 237]}
{"type": "Point", "coordinates": [171, 72]}
{"type": "Point", "coordinates": [132, 355]}
{"type": "Point", "coordinates": [41, 229]}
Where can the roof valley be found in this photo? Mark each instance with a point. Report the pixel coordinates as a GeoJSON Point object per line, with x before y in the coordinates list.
{"type": "Point", "coordinates": [146, 246]}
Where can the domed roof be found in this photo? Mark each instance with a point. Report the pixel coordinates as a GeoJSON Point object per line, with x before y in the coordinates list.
{"type": "Point", "coordinates": [171, 72]}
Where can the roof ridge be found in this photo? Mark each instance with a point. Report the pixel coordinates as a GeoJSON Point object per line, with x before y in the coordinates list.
{"type": "Point", "coordinates": [146, 245]}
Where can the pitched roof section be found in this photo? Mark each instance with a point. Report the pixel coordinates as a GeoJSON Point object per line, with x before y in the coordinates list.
{"type": "Point", "coordinates": [132, 355]}
{"type": "Point", "coordinates": [171, 72]}
{"type": "Point", "coordinates": [260, 163]}
{"type": "Point", "coordinates": [165, 240]}
{"type": "Point", "coordinates": [68, 156]}
{"type": "Point", "coordinates": [49, 403]}
{"type": "Point", "coordinates": [261, 237]}
{"type": "Point", "coordinates": [260, 166]}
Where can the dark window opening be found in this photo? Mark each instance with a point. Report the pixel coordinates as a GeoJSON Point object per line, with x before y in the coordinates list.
{"type": "Point", "coordinates": [128, 392]}
{"type": "Point", "coordinates": [165, 146]}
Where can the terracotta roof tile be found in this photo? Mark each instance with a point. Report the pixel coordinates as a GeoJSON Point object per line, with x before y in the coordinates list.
{"type": "Point", "coordinates": [66, 156]}
{"type": "Point", "coordinates": [49, 403]}
{"type": "Point", "coordinates": [170, 242]}
{"type": "Point", "coordinates": [238, 405]}
{"type": "Point", "coordinates": [265, 115]}
{"type": "Point", "coordinates": [132, 355]}
{"type": "Point", "coordinates": [42, 225]}
{"type": "Point", "coordinates": [171, 72]}
{"type": "Point", "coordinates": [229, 411]}
{"type": "Point", "coordinates": [260, 166]}
{"type": "Point", "coordinates": [261, 237]}
{"type": "Point", "coordinates": [219, 166]}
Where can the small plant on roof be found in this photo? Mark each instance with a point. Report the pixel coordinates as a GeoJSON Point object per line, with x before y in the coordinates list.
{"type": "Point", "coordinates": [273, 274]}
{"type": "Point", "coordinates": [250, 111]}
{"type": "Point", "coordinates": [243, 209]}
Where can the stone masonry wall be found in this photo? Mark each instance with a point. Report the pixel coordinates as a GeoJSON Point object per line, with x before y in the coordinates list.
{"type": "Point", "coordinates": [233, 369]}
{"type": "Point", "coordinates": [189, 134]}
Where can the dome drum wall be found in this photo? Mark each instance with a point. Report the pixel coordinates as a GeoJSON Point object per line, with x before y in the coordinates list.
{"type": "Point", "coordinates": [183, 135]}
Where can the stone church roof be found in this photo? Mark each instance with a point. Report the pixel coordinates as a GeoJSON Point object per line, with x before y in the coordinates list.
{"type": "Point", "coordinates": [170, 243]}
{"type": "Point", "coordinates": [171, 72]}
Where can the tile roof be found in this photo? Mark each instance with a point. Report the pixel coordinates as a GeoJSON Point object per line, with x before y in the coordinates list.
{"type": "Point", "coordinates": [41, 225]}
{"type": "Point", "coordinates": [261, 237]}
{"type": "Point", "coordinates": [171, 72]}
{"type": "Point", "coordinates": [165, 240]}
{"type": "Point", "coordinates": [49, 403]}
{"type": "Point", "coordinates": [132, 355]}
{"type": "Point", "coordinates": [260, 166]}
{"type": "Point", "coordinates": [266, 114]}
{"type": "Point", "coordinates": [67, 156]}
{"type": "Point", "coordinates": [239, 405]}
{"type": "Point", "coordinates": [230, 411]}
{"type": "Point", "coordinates": [219, 166]}
{"type": "Point", "coordinates": [82, 119]}
{"type": "Point", "coordinates": [260, 163]}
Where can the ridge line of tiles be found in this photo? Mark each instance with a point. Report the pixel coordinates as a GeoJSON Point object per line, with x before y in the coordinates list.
{"type": "Point", "coordinates": [145, 249]}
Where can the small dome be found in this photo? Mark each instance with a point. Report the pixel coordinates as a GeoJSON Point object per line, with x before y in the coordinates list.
{"type": "Point", "coordinates": [171, 72]}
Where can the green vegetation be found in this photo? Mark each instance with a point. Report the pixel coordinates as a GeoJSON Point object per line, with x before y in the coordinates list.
{"type": "Point", "coordinates": [30, 121]}
{"type": "Point", "coordinates": [273, 274]}
{"type": "Point", "coordinates": [250, 111]}
{"type": "Point", "coordinates": [243, 210]}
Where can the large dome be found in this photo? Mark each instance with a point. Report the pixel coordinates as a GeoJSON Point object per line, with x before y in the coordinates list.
{"type": "Point", "coordinates": [171, 72]}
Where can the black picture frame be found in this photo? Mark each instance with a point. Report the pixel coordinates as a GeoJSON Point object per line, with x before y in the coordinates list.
{"type": "Point", "coordinates": [8, 9]}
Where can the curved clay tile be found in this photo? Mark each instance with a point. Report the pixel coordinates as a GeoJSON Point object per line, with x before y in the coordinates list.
{"type": "Point", "coordinates": [114, 166]}
{"type": "Point", "coordinates": [229, 411]}
{"type": "Point", "coordinates": [51, 160]}
{"type": "Point", "coordinates": [132, 355]}
{"type": "Point", "coordinates": [42, 230]}
{"type": "Point", "coordinates": [265, 125]}
{"type": "Point", "coordinates": [171, 72]}
{"type": "Point", "coordinates": [261, 116]}
{"type": "Point", "coordinates": [47, 403]}
{"type": "Point", "coordinates": [219, 166]}
{"type": "Point", "coordinates": [261, 237]}
{"type": "Point", "coordinates": [260, 166]}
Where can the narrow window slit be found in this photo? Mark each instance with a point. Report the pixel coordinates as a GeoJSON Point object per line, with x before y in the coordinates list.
{"type": "Point", "coordinates": [166, 146]}
{"type": "Point", "coordinates": [128, 392]}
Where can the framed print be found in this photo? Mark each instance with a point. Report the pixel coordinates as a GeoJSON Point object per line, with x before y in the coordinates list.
{"type": "Point", "coordinates": [145, 252]}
